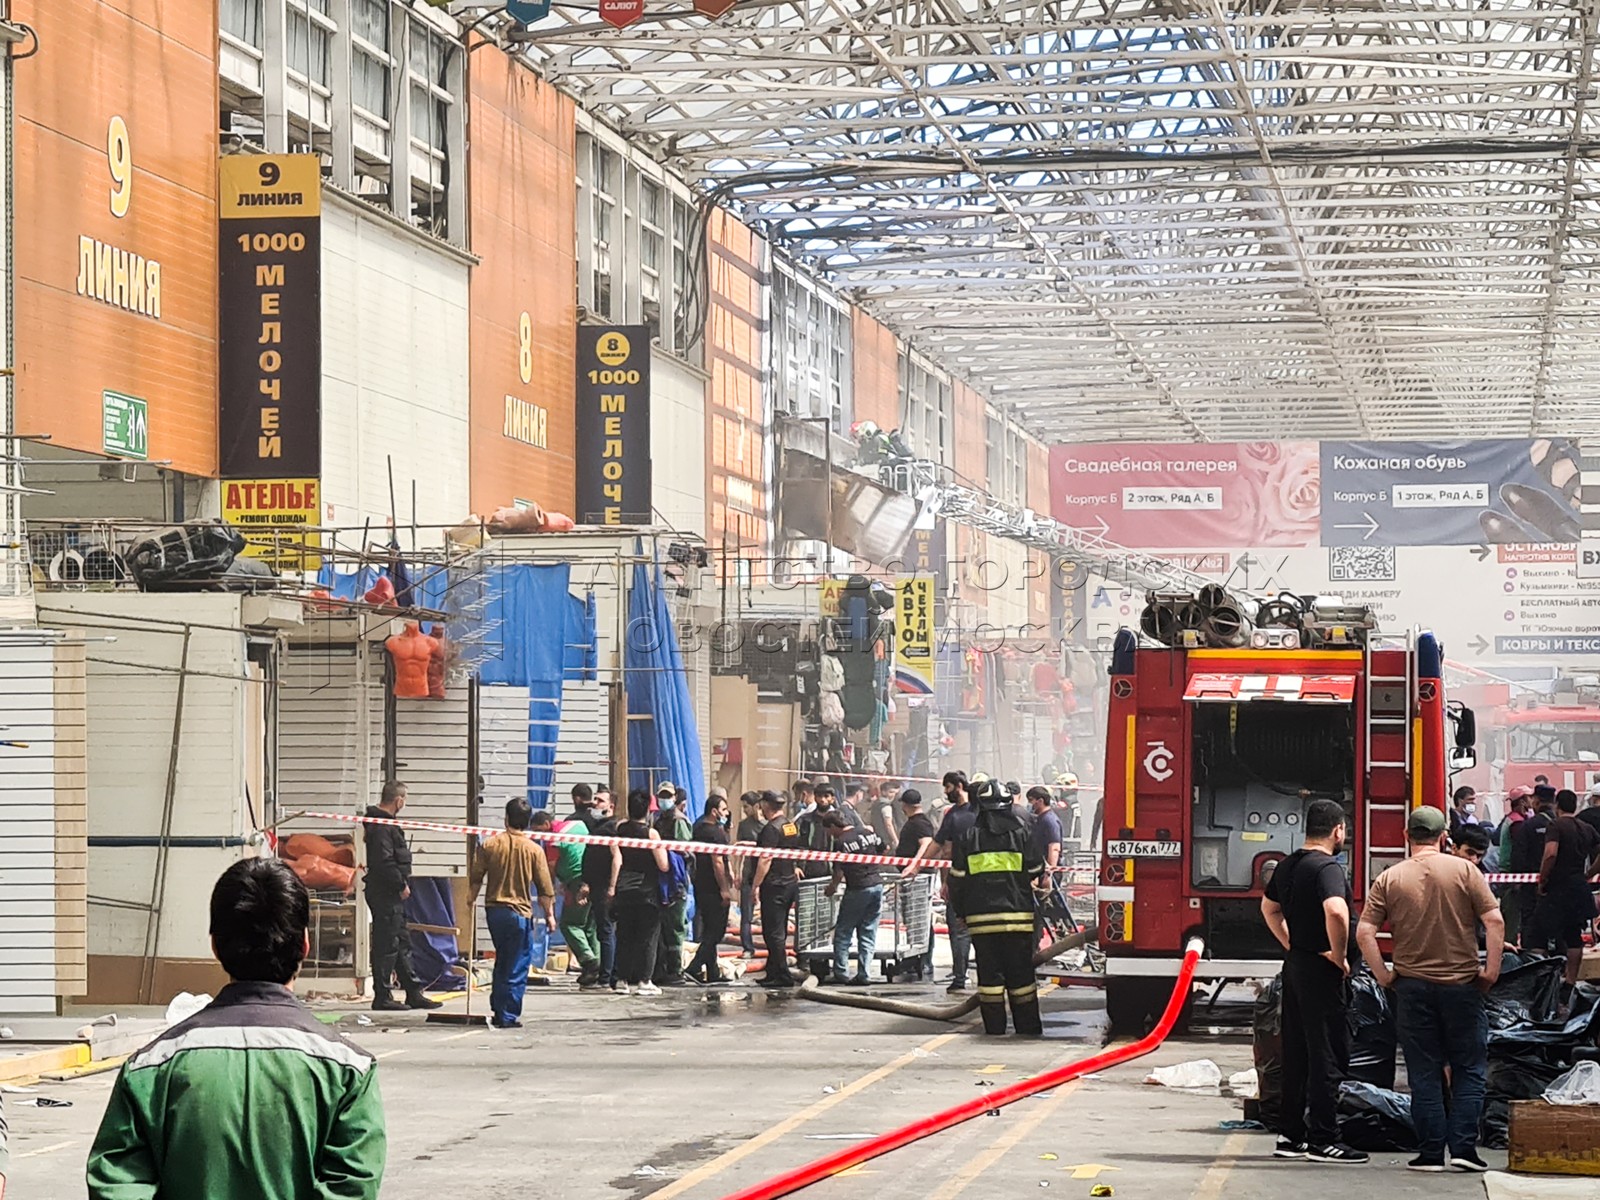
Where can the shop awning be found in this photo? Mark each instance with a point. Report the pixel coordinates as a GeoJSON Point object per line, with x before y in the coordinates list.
{"type": "Point", "coordinates": [1309, 689]}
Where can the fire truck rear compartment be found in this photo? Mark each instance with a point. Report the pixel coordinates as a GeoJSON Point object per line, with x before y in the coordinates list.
{"type": "Point", "coordinates": [1257, 767]}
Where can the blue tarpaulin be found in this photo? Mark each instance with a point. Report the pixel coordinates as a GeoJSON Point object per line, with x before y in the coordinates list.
{"type": "Point", "coordinates": [433, 954]}
{"type": "Point", "coordinates": [428, 585]}
{"type": "Point", "coordinates": [667, 745]}
{"type": "Point", "coordinates": [534, 628]}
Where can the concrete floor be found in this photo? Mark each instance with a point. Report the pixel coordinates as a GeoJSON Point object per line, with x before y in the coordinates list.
{"type": "Point", "coordinates": [700, 1094]}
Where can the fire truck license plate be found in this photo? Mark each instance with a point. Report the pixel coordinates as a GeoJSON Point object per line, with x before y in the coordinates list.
{"type": "Point", "coordinates": [1144, 850]}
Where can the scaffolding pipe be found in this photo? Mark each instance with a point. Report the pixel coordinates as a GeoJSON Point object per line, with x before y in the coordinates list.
{"type": "Point", "coordinates": [852, 1156]}
{"type": "Point", "coordinates": [158, 883]}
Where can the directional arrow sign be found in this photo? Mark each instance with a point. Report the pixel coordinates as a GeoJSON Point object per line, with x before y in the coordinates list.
{"type": "Point", "coordinates": [1479, 645]}
{"type": "Point", "coordinates": [1370, 525]}
{"type": "Point", "coordinates": [1482, 552]}
{"type": "Point", "coordinates": [1089, 1170]}
{"type": "Point", "coordinates": [712, 8]}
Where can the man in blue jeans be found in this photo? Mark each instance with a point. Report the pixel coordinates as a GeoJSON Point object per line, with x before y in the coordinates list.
{"type": "Point", "coordinates": [1433, 903]}
{"type": "Point", "coordinates": [516, 869]}
{"type": "Point", "coordinates": [862, 903]}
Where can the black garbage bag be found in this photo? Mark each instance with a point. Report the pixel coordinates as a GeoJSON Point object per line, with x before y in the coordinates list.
{"type": "Point", "coordinates": [1375, 1119]}
{"type": "Point", "coordinates": [1373, 1039]}
{"type": "Point", "coordinates": [1533, 988]}
{"type": "Point", "coordinates": [1267, 1046]}
{"type": "Point", "coordinates": [1515, 1073]}
{"type": "Point", "coordinates": [1528, 1048]}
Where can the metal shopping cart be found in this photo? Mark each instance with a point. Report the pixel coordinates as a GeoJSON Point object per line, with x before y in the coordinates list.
{"type": "Point", "coordinates": [904, 924]}
{"type": "Point", "coordinates": [1068, 906]}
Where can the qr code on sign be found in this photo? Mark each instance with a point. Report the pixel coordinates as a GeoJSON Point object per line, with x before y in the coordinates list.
{"type": "Point", "coordinates": [1361, 564]}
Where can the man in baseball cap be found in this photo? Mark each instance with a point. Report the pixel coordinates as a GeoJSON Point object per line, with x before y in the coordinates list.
{"type": "Point", "coordinates": [1433, 903]}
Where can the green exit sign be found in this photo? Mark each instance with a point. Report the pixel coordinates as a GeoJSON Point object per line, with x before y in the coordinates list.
{"type": "Point", "coordinates": [127, 425]}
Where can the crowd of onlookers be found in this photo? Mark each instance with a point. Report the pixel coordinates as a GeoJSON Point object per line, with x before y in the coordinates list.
{"type": "Point", "coordinates": [1546, 832]}
{"type": "Point", "coordinates": [625, 913]}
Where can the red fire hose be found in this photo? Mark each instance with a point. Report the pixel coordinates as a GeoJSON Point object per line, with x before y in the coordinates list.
{"type": "Point", "coordinates": [822, 1168]}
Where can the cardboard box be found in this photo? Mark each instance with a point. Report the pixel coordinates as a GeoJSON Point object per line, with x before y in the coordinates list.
{"type": "Point", "coordinates": [1589, 968]}
{"type": "Point", "coordinates": [1554, 1139]}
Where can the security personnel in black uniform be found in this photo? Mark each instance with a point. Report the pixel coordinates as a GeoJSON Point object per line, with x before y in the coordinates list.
{"type": "Point", "coordinates": [777, 884]}
{"type": "Point", "coordinates": [388, 879]}
{"type": "Point", "coordinates": [992, 872]}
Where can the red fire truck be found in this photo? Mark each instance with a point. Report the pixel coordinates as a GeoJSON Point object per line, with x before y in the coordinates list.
{"type": "Point", "coordinates": [1559, 741]}
{"type": "Point", "coordinates": [1213, 755]}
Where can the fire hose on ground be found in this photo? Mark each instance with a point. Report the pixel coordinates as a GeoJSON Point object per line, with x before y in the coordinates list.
{"type": "Point", "coordinates": [852, 1156]}
{"type": "Point", "coordinates": [927, 1012]}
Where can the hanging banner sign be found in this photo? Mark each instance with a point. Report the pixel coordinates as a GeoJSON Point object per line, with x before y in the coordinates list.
{"type": "Point", "coordinates": [829, 592]}
{"type": "Point", "coordinates": [621, 13]}
{"type": "Point", "coordinates": [527, 12]}
{"type": "Point", "coordinates": [270, 319]}
{"type": "Point", "coordinates": [913, 632]}
{"type": "Point", "coordinates": [278, 518]}
{"type": "Point", "coordinates": [613, 425]}
{"type": "Point", "coordinates": [713, 8]}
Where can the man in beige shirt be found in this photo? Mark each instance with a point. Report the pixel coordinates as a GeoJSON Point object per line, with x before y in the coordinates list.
{"type": "Point", "coordinates": [516, 868]}
{"type": "Point", "coordinates": [1433, 903]}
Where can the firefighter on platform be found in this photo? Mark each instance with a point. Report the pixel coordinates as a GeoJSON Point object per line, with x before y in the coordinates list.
{"type": "Point", "coordinates": [992, 872]}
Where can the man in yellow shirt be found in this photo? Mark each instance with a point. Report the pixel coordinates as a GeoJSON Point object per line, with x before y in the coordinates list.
{"type": "Point", "coordinates": [516, 869]}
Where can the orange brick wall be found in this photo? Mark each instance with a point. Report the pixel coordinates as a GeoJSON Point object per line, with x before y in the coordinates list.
{"type": "Point", "coordinates": [521, 139]}
{"type": "Point", "coordinates": [154, 65]}
{"type": "Point", "coordinates": [971, 459]}
{"type": "Point", "coordinates": [738, 519]}
{"type": "Point", "coordinates": [875, 372]}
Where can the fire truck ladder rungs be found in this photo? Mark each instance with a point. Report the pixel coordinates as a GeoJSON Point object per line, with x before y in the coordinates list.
{"type": "Point", "coordinates": [1381, 713]}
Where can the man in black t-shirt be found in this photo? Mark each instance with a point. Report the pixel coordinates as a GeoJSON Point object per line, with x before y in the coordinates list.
{"type": "Point", "coordinates": [1527, 852]}
{"type": "Point", "coordinates": [1566, 905]}
{"type": "Point", "coordinates": [713, 889]}
{"type": "Point", "coordinates": [749, 830]}
{"type": "Point", "coordinates": [777, 882]}
{"type": "Point", "coordinates": [1307, 907]}
{"type": "Point", "coordinates": [957, 819]}
{"type": "Point", "coordinates": [916, 835]}
{"type": "Point", "coordinates": [1589, 811]}
{"type": "Point", "coordinates": [597, 874]}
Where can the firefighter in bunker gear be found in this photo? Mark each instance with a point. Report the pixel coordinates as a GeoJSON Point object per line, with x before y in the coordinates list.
{"type": "Point", "coordinates": [991, 886]}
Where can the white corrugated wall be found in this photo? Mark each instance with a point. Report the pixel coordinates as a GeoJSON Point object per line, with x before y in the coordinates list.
{"type": "Point", "coordinates": [42, 823]}
{"type": "Point", "coordinates": [394, 372]}
{"type": "Point", "coordinates": [132, 704]}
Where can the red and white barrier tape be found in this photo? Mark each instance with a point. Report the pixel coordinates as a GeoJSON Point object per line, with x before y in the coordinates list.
{"type": "Point", "coordinates": [589, 839]}
{"type": "Point", "coordinates": [840, 780]}
{"type": "Point", "coordinates": [1522, 877]}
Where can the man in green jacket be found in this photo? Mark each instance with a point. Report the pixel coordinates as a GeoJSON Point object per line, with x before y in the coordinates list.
{"type": "Point", "coordinates": [252, 1098]}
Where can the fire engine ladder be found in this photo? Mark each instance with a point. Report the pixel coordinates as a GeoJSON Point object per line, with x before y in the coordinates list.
{"type": "Point", "coordinates": [1390, 700]}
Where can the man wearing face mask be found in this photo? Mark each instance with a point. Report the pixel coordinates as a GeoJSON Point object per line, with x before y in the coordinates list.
{"type": "Point", "coordinates": [673, 826]}
{"type": "Point", "coordinates": [1463, 809]}
{"type": "Point", "coordinates": [814, 834]}
{"type": "Point", "coordinates": [1307, 908]}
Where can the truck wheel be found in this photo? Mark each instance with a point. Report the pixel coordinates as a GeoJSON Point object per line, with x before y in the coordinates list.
{"type": "Point", "coordinates": [1135, 1004]}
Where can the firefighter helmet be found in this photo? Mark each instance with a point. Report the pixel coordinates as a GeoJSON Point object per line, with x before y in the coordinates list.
{"type": "Point", "coordinates": [988, 795]}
